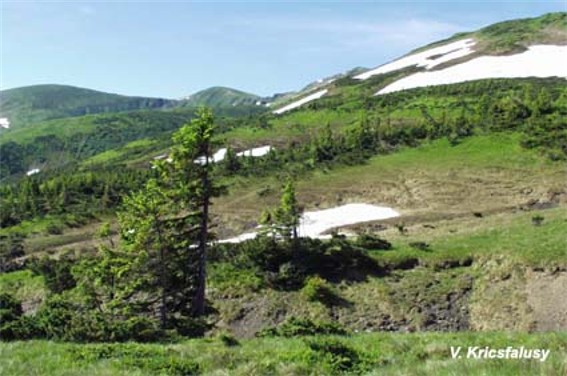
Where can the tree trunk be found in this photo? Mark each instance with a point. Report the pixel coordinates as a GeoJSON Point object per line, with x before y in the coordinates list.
{"type": "Point", "coordinates": [199, 300]}
{"type": "Point", "coordinates": [162, 278]}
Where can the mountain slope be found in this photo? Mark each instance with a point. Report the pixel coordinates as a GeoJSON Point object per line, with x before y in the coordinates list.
{"type": "Point", "coordinates": [30, 104]}
{"type": "Point", "coordinates": [219, 96]}
{"type": "Point", "coordinates": [534, 47]}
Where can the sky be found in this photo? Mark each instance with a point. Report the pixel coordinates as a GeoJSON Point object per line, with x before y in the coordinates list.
{"type": "Point", "coordinates": [171, 49]}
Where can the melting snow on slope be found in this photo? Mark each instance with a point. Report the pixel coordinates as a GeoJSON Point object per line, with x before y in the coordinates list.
{"type": "Point", "coordinates": [256, 152]}
{"type": "Point", "coordinates": [217, 157]}
{"type": "Point", "coordinates": [427, 59]}
{"type": "Point", "coordinates": [301, 102]}
{"type": "Point", "coordinates": [537, 61]}
{"type": "Point", "coordinates": [4, 123]}
{"type": "Point", "coordinates": [314, 224]}
{"type": "Point", "coordinates": [33, 171]}
{"type": "Point", "coordinates": [221, 154]}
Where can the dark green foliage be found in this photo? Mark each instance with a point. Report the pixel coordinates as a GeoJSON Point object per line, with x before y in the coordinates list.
{"type": "Point", "coordinates": [282, 268]}
{"type": "Point", "coordinates": [228, 340]}
{"type": "Point", "coordinates": [72, 195]}
{"type": "Point", "coordinates": [548, 134]}
{"type": "Point", "coordinates": [13, 324]}
{"type": "Point", "coordinates": [10, 308]}
{"type": "Point", "coordinates": [53, 229]}
{"type": "Point", "coordinates": [66, 319]}
{"type": "Point", "coordinates": [537, 220]}
{"type": "Point", "coordinates": [56, 273]}
{"type": "Point", "coordinates": [11, 248]}
{"type": "Point", "coordinates": [12, 158]}
{"type": "Point", "coordinates": [422, 246]}
{"type": "Point", "coordinates": [338, 356]}
{"type": "Point", "coordinates": [370, 241]}
{"type": "Point", "coordinates": [294, 327]}
{"type": "Point", "coordinates": [231, 163]}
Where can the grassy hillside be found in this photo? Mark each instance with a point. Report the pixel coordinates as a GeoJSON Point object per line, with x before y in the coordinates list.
{"type": "Point", "coordinates": [31, 104]}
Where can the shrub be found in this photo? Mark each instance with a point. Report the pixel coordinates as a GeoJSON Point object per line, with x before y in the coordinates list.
{"type": "Point", "coordinates": [372, 242]}
{"type": "Point", "coordinates": [338, 356]}
{"type": "Point", "coordinates": [10, 313]}
{"type": "Point", "coordinates": [11, 248]}
{"type": "Point", "coordinates": [401, 228]}
{"type": "Point", "coordinates": [537, 220]}
{"type": "Point", "coordinates": [228, 339]}
{"type": "Point", "coordinates": [294, 327]}
{"type": "Point", "coordinates": [56, 273]}
{"type": "Point", "coordinates": [317, 289]}
{"type": "Point", "coordinates": [190, 327]}
{"type": "Point", "coordinates": [422, 246]}
{"type": "Point", "coordinates": [54, 229]}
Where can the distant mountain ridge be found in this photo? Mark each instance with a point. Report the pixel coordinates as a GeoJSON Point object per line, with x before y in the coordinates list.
{"type": "Point", "coordinates": [220, 96]}
{"type": "Point", "coordinates": [31, 104]}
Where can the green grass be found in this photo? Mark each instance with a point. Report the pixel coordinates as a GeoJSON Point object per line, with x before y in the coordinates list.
{"type": "Point", "coordinates": [133, 148]}
{"type": "Point", "coordinates": [23, 285]}
{"type": "Point", "coordinates": [378, 354]}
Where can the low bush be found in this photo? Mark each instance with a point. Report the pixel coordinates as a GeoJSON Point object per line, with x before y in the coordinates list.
{"type": "Point", "coordinates": [53, 229]}
{"type": "Point", "coordinates": [294, 327]}
{"type": "Point", "coordinates": [228, 339]}
{"type": "Point", "coordinates": [336, 355]}
{"type": "Point", "coordinates": [372, 242]}
{"type": "Point", "coordinates": [56, 273]}
{"type": "Point", "coordinates": [317, 289]}
{"type": "Point", "coordinates": [422, 246]}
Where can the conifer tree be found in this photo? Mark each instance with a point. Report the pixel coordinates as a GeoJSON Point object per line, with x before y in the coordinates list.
{"type": "Point", "coordinates": [288, 213]}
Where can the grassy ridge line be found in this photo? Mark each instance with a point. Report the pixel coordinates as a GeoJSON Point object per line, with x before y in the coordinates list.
{"type": "Point", "coordinates": [379, 353]}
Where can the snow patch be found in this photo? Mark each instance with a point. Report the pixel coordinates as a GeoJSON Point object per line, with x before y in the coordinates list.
{"type": "Point", "coordinates": [537, 61]}
{"type": "Point", "coordinates": [33, 171]}
{"type": "Point", "coordinates": [4, 123]}
{"type": "Point", "coordinates": [301, 102]}
{"type": "Point", "coordinates": [256, 152]}
{"type": "Point", "coordinates": [314, 224]}
{"type": "Point", "coordinates": [221, 154]}
{"type": "Point", "coordinates": [426, 59]}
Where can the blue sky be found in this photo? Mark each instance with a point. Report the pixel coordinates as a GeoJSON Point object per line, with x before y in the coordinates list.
{"type": "Point", "coordinates": [172, 49]}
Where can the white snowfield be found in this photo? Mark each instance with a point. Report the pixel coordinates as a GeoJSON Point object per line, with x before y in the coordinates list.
{"type": "Point", "coordinates": [314, 224]}
{"type": "Point", "coordinates": [301, 102]}
{"type": "Point", "coordinates": [4, 123]}
{"type": "Point", "coordinates": [221, 154]}
{"type": "Point", "coordinates": [426, 59]}
{"type": "Point", "coordinates": [537, 61]}
{"type": "Point", "coordinates": [33, 171]}
{"type": "Point", "coordinates": [256, 152]}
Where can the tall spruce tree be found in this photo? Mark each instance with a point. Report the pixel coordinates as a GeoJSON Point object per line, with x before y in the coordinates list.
{"type": "Point", "coordinates": [189, 185]}
{"type": "Point", "coordinates": [160, 269]}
